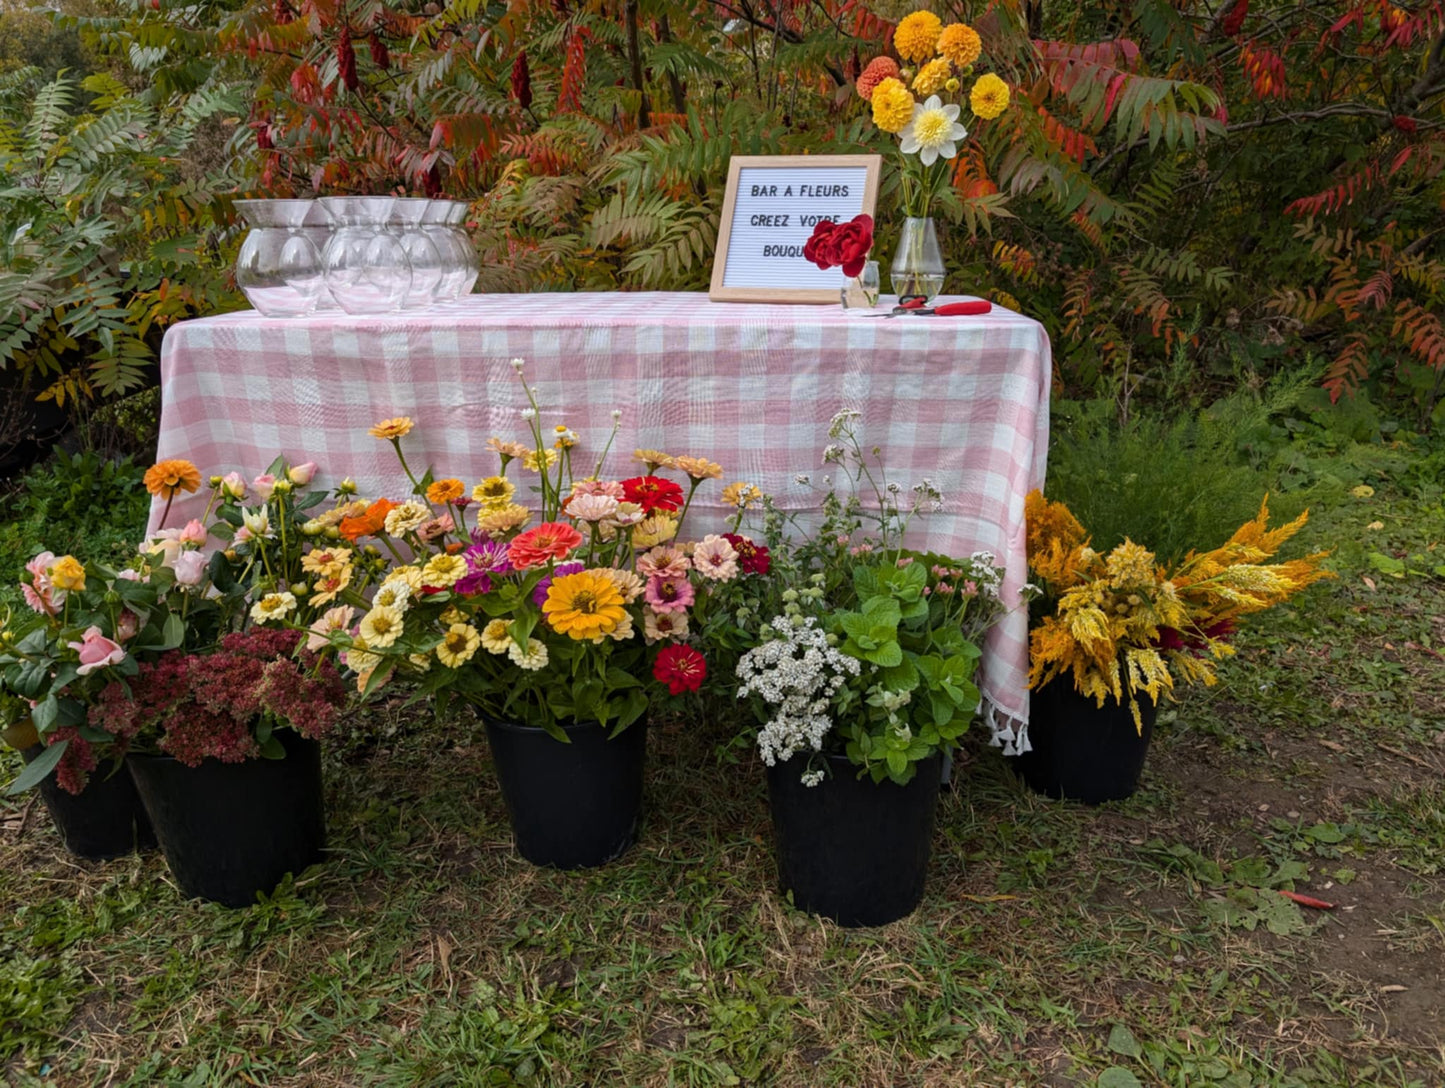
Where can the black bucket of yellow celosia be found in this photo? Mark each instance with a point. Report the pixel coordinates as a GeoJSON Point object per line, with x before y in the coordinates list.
{"type": "Point", "coordinates": [1113, 633]}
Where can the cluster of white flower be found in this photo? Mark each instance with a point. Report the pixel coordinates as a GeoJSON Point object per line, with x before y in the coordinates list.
{"type": "Point", "coordinates": [986, 573]}
{"type": "Point", "coordinates": [797, 673]}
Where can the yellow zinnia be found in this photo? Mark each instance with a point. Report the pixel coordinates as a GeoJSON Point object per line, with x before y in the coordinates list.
{"type": "Point", "coordinates": [584, 605]}
{"type": "Point", "coordinates": [932, 77]}
{"type": "Point", "coordinates": [917, 35]}
{"type": "Point", "coordinates": [699, 468]}
{"type": "Point", "coordinates": [531, 461]}
{"type": "Point", "coordinates": [650, 532]}
{"type": "Point", "coordinates": [392, 428]}
{"type": "Point", "coordinates": [381, 627]}
{"type": "Point", "coordinates": [443, 570]}
{"type": "Point", "coordinates": [494, 492]}
{"type": "Point", "coordinates": [892, 106]}
{"type": "Point", "coordinates": [741, 495]}
{"type": "Point", "coordinates": [67, 573]}
{"type": "Point", "coordinates": [458, 645]}
{"type": "Point", "coordinates": [959, 42]}
{"type": "Point", "coordinates": [497, 637]}
{"type": "Point", "coordinates": [989, 97]}
{"type": "Point", "coordinates": [508, 517]}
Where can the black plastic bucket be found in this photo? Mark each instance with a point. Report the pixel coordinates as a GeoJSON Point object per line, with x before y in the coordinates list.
{"type": "Point", "coordinates": [573, 806]}
{"type": "Point", "coordinates": [852, 850]}
{"type": "Point", "coordinates": [1082, 751]}
{"type": "Point", "coordinates": [231, 830]}
{"type": "Point", "coordinates": [104, 820]}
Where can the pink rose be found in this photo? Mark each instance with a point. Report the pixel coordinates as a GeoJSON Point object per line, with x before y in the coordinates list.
{"type": "Point", "coordinates": [96, 651]}
{"type": "Point", "coordinates": [301, 474]}
{"type": "Point", "coordinates": [233, 486]}
{"type": "Point", "coordinates": [126, 625]}
{"type": "Point", "coordinates": [193, 533]}
{"type": "Point", "coordinates": [39, 595]}
{"type": "Point", "coordinates": [189, 568]}
{"type": "Point", "coordinates": [129, 575]}
{"type": "Point", "coordinates": [264, 485]}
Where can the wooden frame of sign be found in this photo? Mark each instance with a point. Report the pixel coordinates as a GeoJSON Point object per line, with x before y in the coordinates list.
{"type": "Point", "coordinates": [778, 197]}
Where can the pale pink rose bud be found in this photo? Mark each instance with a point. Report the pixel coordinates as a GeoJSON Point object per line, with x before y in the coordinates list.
{"type": "Point", "coordinates": [264, 485]}
{"type": "Point", "coordinates": [300, 475]}
{"type": "Point", "coordinates": [193, 533]}
{"type": "Point", "coordinates": [189, 568]}
{"type": "Point", "coordinates": [233, 486]}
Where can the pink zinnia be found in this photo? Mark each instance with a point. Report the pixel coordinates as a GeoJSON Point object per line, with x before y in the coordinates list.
{"type": "Point", "coordinates": [663, 561]}
{"type": "Point", "coordinates": [668, 594]}
{"type": "Point", "coordinates": [715, 558]}
{"type": "Point", "coordinates": [429, 530]}
{"type": "Point", "coordinates": [611, 488]}
{"type": "Point", "coordinates": [591, 507]}
{"type": "Point", "coordinates": [552, 540]}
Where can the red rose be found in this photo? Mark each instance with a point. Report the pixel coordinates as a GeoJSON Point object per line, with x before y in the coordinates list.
{"type": "Point", "coordinates": [846, 244]}
{"type": "Point", "coordinates": [816, 248]}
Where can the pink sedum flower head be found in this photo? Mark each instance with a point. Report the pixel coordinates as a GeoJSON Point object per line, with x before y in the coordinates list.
{"type": "Point", "coordinates": [300, 475]}
{"type": "Point", "coordinates": [96, 651]}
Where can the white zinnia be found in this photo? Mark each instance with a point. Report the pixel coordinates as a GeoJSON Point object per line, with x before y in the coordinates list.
{"type": "Point", "coordinates": [933, 133]}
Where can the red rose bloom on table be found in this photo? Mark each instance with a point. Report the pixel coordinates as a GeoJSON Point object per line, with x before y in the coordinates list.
{"type": "Point", "coordinates": [652, 493]}
{"type": "Point", "coordinates": [846, 244]}
{"type": "Point", "coordinates": [550, 541]}
{"type": "Point", "coordinates": [681, 668]}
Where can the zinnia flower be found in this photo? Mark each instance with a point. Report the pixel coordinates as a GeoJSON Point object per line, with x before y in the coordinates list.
{"type": "Point", "coordinates": [507, 518]}
{"type": "Point", "coordinates": [96, 651]}
{"type": "Point", "coordinates": [381, 626]}
{"type": "Point", "coordinates": [531, 461]}
{"type": "Point", "coordinates": [566, 437]}
{"type": "Point", "coordinates": [714, 558]}
{"type": "Point", "coordinates": [325, 560]}
{"type": "Point", "coordinates": [497, 637]}
{"type": "Point", "coordinates": [653, 493]}
{"type": "Point", "coordinates": [660, 625]}
{"type": "Point", "coordinates": [442, 571]}
{"type": "Point", "coordinates": [330, 584]}
{"type": "Point", "coordinates": [393, 595]}
{"type": "Point", "coordinates": [628, 583]}
{"type": "Point", "coordinates": [753, 558]}
{"type": "Point", "coordinates": [681, 668]}
{"type": "Point", "coordinates": [598, 487]}
{"type": "Point", "coordinates": [494, 493]}
{"type": "Point", "coordinates": [539, 595]}
{"type": "Point", "coordinates": [273, 606]}
{"type": "Point", "coordinates": [406, 517]}
{"type": "Point", "coordinates": [916, 36]}
{"type": "Point", "coordinates": [653, 459]}
{"type": "Point", "coordinates": [584, 605]}
{"type": "Point", "coordinates": [932, 76]}
{"type": "Point", "coordinates": [509, 451]}
{"type": "Point", "coordinates": [699, 468]}
{"type": "Point", "coordinates": [933, 132]}
{"type": "Point", "coordinates": [552, 540]}
{"type": "Point", "coordinates": [355, 526]}
{"type": "Point", "coordinates": [741, 495]}
{"type": "Point", "coordinates": [392, 429]}
{"type": "Point", "coordinates": [445, 491]}
{"type": "Point", "coordinates": [879, 69]}
{"type": "Point", "coordinates": [669, 594]}
{"type": "Point", "coordinates": [591, 507]}
{"type": "Point", "coordinates": [960, 43]}
{"type": "Point", "coordinates": [165, 478]}
{"type": "Point", "coordinates": [531, 657]}
{"type": "Point", "coordinates": [433, 528]}
{"type": "Point", "coordinates": [989, 97]}
{"type": "Point", "coordinates": [458, 645]}
{"type": "Point", "coordinates": [664, 562]}
{"type": "Point", "coordinates": [892, 105]}
{"type": "Point", "coordinates": [329, 622]}
{"type": "Point", "coordinates": [409, 576]}
{"type": "Point", "coordinates": [657, 529]}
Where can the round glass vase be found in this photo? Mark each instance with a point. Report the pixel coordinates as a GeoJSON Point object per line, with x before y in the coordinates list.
{"type": "Point", "coordinates": [917, 270]}
{"type": "Point", "coordinates": [278, 268]}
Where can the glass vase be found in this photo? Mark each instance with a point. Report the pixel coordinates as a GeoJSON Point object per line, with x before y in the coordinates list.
{"type": "Point", "coordinates": [918, 264]}
{"type": "Point", "coordinates": [860, 292]}
{"type": "Point", "coordinates": [278, 268]}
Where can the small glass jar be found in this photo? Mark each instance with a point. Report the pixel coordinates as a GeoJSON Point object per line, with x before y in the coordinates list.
{"type": "Point", "coordinates": [860, 292]}
{"type": "Point", "coordinates": [278, 269]}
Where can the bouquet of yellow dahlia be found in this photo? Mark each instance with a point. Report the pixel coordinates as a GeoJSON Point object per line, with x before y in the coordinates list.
{"type": "Point", "coordinates": [542, 616]}
{"type": "Point", "coordinates": [918, 98]}
{"type": "Point", "coordinates": [1119, 623]}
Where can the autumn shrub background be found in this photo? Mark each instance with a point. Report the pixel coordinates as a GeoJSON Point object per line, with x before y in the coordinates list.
{"type": "Point", "coordinates": [1188, 195]}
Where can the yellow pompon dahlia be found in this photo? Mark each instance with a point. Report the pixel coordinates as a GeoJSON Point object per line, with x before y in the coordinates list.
{"type": "Point", "coordinates": [932, 77]}
{"type": "Point", "coordinates": [960, 43]}
{"type": "Point", "coordinates": [892, 106]}
{"type": "Point", "coordinates": [916, 36]}
{"type": "Point", "coordinates": [989, 97]}
{"type": "Point", "coordinates": [584, 605]}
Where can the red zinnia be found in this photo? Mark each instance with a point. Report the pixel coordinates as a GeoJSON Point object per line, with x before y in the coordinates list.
{"type": "Point", "coordinates": [549, 541]}
{"type": "Point", "coordinates": [681, 668]}
{"type": "Point", "coordinates": [652, 493]}
{"type": "Point", "coordinates": [752, 558]}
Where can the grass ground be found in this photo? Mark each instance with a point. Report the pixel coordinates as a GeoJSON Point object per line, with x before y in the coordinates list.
{"type": "Point", "coordinates": [1141, 943]}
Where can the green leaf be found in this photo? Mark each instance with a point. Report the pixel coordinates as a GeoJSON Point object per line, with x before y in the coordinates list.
{"type": "Point", "coordinates": [1122, 1041]}
{"type": "Point", "coordinates": [174, 632]}
{"type": "Point", "coordinates": [31, 680]}
{"type": "Point", "coordinates": [1116, 1076]}
{"type": "Point", "coordinates": [44, 714]}
{"type": "Point", "coordinates": [35, 772]}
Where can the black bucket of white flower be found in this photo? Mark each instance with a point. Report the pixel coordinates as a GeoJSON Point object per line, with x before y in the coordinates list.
{"type": "Point", "coordinates": [1081, 751]}
{"type": "Point", "coordinates": [231, 830]}
{"type": "Point", "coordinates": [104, 820]}
{"type": "Point", "coordinates": [852, 849]}
{"type": "Point", "coordinates": [573, 805]}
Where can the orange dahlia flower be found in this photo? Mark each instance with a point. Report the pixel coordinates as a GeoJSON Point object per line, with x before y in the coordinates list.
{"type": "Point", "coordinates": [165, 478]}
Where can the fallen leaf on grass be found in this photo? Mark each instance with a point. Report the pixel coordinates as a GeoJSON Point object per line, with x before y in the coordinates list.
{"type": "Point", "coordinates": [1369, 583]}
{"type": "Point", "coordinates": [1333, 746]}
{"type": "Point", "coordinates": [987, 898]}
{"type": "Point", "coordinates": [1376, 525]}
{"type": "Point", "coordinates": [1393, 989]}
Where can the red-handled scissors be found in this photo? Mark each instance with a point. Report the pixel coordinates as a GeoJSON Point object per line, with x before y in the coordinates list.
{"type": "Point", "coordinates": [916, 305]}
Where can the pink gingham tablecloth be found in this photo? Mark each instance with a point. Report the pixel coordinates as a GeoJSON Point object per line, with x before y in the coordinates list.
{"type": "Point", "coordinates": [962, 401]}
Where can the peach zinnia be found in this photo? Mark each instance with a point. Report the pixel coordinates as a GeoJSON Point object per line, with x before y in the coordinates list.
{"type": "Point", "coordinates": [165, 478]}
{"type": "Point", "coordinates": [392, 429]}
{"type": "Point", "coordinates": [552, 540]}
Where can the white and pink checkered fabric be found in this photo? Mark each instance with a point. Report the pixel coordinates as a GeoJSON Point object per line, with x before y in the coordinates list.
{"type": "Point", "coordinates": [962, 401]}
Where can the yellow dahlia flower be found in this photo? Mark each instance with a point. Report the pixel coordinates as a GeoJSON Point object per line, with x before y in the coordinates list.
{"type": "Point", "coordinates": [932, 77]}
{"type": "Point", "coordinates": [892, 106]}
{"type": "Point", "coordinates": [584, 605]}
{"type": "Point", "coordinates": [959, 43]}
{"type": "Point", "coordinates": [989, 97]}
{"type": "Point", "coordinates": [916, 36]}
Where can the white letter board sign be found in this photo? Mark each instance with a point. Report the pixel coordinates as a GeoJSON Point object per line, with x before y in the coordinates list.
{"type": "Point", "coordinates": [771, 206]}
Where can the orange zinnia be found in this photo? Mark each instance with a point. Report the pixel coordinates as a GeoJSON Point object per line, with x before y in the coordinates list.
{"type": "Point", "coordinates": [165, 478]}
{"type": "Point", "coordinates": [367, 524]}
{"type": "Point", "coordinates": [445, 491]}
{"type": "Point", "coordinates": [552, 540]}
